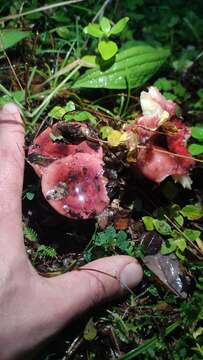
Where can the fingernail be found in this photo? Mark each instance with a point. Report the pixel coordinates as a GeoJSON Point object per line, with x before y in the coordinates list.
{"type": "Point", "coordinates": [10, 107]}
{"type": "Point", "coordinates": [131, 275]}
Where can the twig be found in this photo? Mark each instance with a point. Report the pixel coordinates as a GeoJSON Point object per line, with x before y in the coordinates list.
{"type": "Point", "coordinates": [42, 8]}
{"type": "Point", "coordinates": [101, 11]}
{"type": "Point", "coordinates": [174, 154]}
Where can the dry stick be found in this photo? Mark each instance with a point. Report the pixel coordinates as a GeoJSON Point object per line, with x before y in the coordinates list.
{"type": "Point", "coordinates": [174, 154]}
{"type": "Point", "coordinates": [13, 71]}
{"type": "Point", "coordinates": [9, 62]}
{"type": "Point", "coordinates": [37, 112]}
{"type": "Point", "coordinates": [42, 8]}
{"type": "Point", "coordinates": [101, 11]}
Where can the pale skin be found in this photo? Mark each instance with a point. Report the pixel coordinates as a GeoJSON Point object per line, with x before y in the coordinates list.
{"type": "Point", "coordinates": [33, 308]}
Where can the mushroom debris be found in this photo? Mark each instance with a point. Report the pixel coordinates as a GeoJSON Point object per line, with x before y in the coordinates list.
{"type": "Point", "coordinates": [159, 125]}
{"type": "Point", "coordinates": [68, 156]}
{"type": "Point", "coordinates": [71, 169]}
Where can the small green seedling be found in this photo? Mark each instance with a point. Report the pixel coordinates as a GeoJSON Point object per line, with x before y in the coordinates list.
{"type": "Point", "coordinates": [104, 30]}
{"type": "Point", "coordinates": [197, 134]}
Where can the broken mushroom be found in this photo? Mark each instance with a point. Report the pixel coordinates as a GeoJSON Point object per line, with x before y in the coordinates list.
{"type": "Point", "coordinates": [75, 186]}
{"type": "Point", "coordinates": [54, 143]}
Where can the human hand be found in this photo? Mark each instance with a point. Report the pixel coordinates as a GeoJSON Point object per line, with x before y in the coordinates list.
{"type": "Point", "coordinates": [32, 308]}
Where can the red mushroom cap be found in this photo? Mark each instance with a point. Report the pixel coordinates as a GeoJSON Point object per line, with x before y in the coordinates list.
{"type": "Point", "coordinates": [75, 187]}
{"type": "Point", "coordinates": [44, 150]}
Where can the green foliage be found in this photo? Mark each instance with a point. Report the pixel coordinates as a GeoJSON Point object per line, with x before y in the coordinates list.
{"type": "Point", "coordinates": [177, 239]}
{"type": "Point", "coordinates": [9, 38]}
{"type": "Point", "coordinates": [119, 26]}
{"type": "Point", "coordinates": [69, 113]}
{"type": "Point", "coordinates": [90, 331]}
{"type": "Point", "coordinates": [148, 223]}
{"type": "Point", "coordinates": [162, 227]}
{"type": "Point", "coordinates": [105, 131]}
{"type": "Point", "coordinates": [82, 116]}
{"type": "Point", "coordinates": [13, 96]}
{"type": "Point", "coordinates": [195, 149]}
{"type": "Point", "coordinates": [132, 68]}
{"type": "Point", "coordinates": [107, 48]}
{"type": "Point", "coordinates": [192, 212]}
{"type": "Point", "coordinates": [57, 112]}
{"type": "Point", "coordinates": [172, 89]}
{"type": "Point", "coordinates": [178, 26]}
{"type": "Point", "coordinates": [29, 195]}
{"type": "Point", "coordinates": [108, 242]}
{"type": "Point", "coordinates": [45, 251]}
{"type": "Point", "coordinates": [30, 234]}
{"type": "Point", "coordinates": [197, 134]}
{"type": "Point", "coordinates": [93, 30]}
{"type": "Point", "coordinates": [198, 105]}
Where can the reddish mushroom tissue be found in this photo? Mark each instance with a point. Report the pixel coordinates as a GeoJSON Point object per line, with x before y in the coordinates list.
{"type": "Point", "coordinates": [154, 161]}
{"type": "Point", "coordinates": [68, 157]}
{"type": "Point", "coordinates": [75, 187]}
{"type": "Point", "coordinates": [45, 150]}
{"type": "Point", "coordinates": [71, 170]}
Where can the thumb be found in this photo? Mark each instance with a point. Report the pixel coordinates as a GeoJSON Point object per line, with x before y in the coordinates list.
{"type": "Point", "coordinates": [75, 292]}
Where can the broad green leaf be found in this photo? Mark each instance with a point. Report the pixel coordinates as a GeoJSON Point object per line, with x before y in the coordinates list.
{"type": "Point", "coordinates": [168, 247]}
{"type": "Point", "coordinates": [63, 32]}
{"type": "Point", "coordinates": [195, 149]}
{"type": "Point", "coordinates": [107, 49]}
{"type": "Point", "coordinates": [15, 96]}
{"type": "Point", "coordinates": [81, 116]}
{"type": "Point", "coordinates": [30, 195]}
{"type": "Point", "coordinates": [105, 25]}
{"type": "Point", "coordinates": [193, 235]}
{"type": "Point", "coordinates": [57, 112]}
{"type": "Point", "coordinates": [93, 30]}
{"type": "Point", "coordinates": [163, 84]}
{"type": "Point", "coordinates": [179, 219]}
{"type": "Point", "coordinates": [175, 234]}
{"type": "Point", "coordinates": [89, 59]}
{"type": "Point", "coordinates": [192, 212]}
{"type": "Point", "coordinates": [162, 227]}
{"type": "Point", "coordinates": [181, 243]}
{"type": "Point", "coordinates": [90, 331]}
{"type": "Point", "coordinates": [148, 222]}
{"type": "Point", "coordinates": [105, 237]}
{"type": "Point", "coordinates": [197, 132]}
{"type": "Point", "coordinates": [174, 210]}
{"type": "Point", "coordinates": [122, 241]}
{"type": "Point", "coordinates": [70, 106]}
{"type": "Point", "coordinates": [132, 68]}
{"type": "Point", "coordinates": [119, 26]}
{"type": "Point", "coordinates": [9, 38]}
{"type": "Point", "coordinates": [179, 254]}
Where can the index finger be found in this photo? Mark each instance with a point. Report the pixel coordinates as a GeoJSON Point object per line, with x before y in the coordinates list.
{"type": "Point", "coordinates": [11, 176]}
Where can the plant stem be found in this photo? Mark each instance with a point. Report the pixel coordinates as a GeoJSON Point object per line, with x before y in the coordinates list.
{"type": "Point", "coordinates": [42, 8]}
